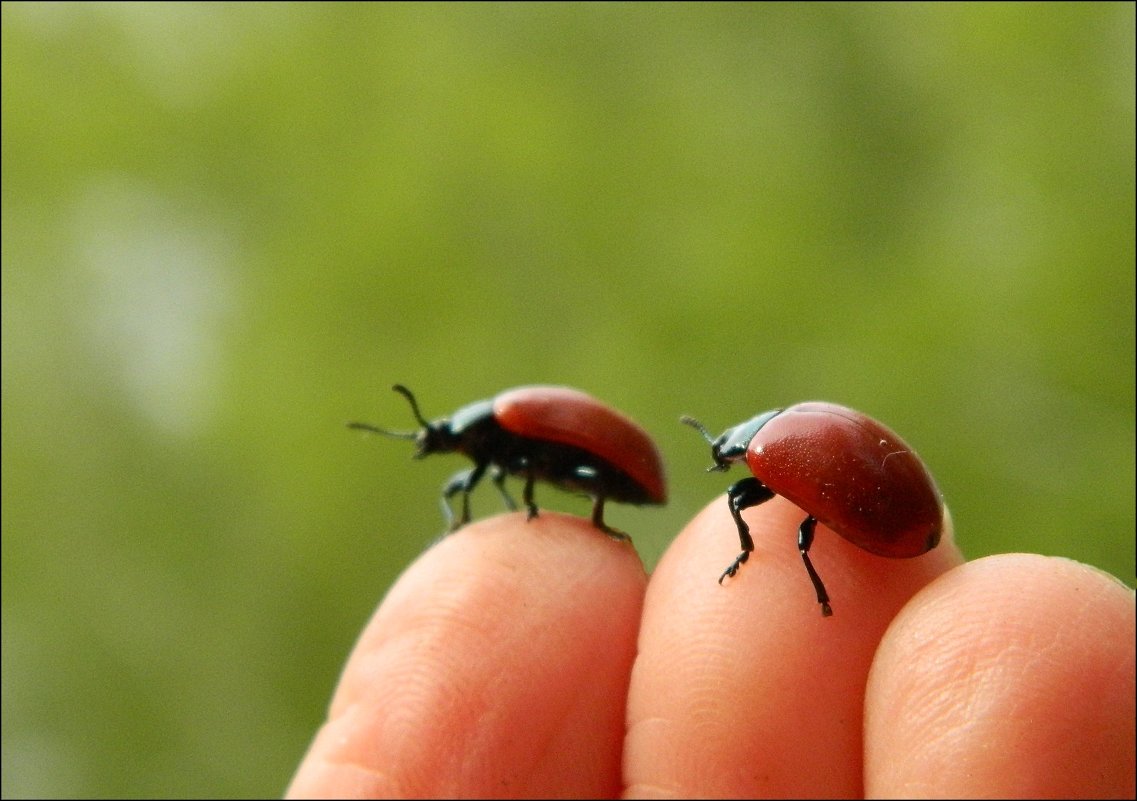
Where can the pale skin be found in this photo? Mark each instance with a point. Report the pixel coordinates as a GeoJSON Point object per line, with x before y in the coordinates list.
{"type": "Point", "coordinates": [536, 659]}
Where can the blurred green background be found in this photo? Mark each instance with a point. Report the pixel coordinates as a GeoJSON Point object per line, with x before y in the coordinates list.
{"type": "Point", "coordinates": [227, 229]}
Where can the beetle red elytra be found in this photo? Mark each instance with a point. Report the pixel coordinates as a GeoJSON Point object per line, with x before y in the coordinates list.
{"type": "Point", "coordinates": [559, 435]}
{"type": "Point", "coordinates": [843, 469]}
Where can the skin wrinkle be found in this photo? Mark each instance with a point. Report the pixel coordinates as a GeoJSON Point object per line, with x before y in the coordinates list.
{"type": "Point", "coordinates": [658, 730]}
{"type": "Point", "coordinates": [636, 738]}
{"type": "Point", "coordinates": [371, 777]}
{"type": "Point", "coordinates": [651, 791]}
{"type": "Point", "coordinates": [331, 759]}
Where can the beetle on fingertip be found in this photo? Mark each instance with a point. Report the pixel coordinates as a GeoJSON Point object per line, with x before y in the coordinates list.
{"type": "Point", "coordinates": [559, 435]}
{"type": "Point", "coordinates": [843, 469]}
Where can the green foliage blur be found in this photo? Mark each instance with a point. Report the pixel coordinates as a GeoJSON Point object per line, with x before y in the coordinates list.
{"type": "Point", "coordinates": [230, 228]}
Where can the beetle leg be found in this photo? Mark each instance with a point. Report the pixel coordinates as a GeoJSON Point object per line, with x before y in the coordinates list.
{"type": "Point", "coordinates": [463, 481]}
{"type": "Point", "coordinates": [742, 495]}
{"type": "Point", "coordinates": [498, 475]}
{"type": "Point", "coordinates": [527, 493]}
{"type": "Point", "coordinates": [804, 541]}
{"type": "Point", "coordinates": [598, 520]}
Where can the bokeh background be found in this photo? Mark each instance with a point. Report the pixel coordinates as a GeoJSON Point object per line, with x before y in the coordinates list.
{"type": "Point", "coordinates": [228, 229]}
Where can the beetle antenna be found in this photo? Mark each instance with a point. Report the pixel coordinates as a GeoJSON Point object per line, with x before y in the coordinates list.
{"type": "Point", "coordinates": [406, 393]}
{"type": "Point", "coordinates": [383, 431]}
{"type": "Point", "coordinates": [695, 424]}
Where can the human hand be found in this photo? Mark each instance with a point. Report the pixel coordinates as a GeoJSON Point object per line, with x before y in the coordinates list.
{"type": "Point", "coordinates": [535, 659]}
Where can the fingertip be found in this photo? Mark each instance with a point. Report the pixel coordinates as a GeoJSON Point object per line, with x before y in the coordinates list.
{"type": "Point", "coordinates": [499, 658]}
{"type": "Point", "coordinates": [732, 679]}
{"type": "Point", "coordinates": [1012, 675]}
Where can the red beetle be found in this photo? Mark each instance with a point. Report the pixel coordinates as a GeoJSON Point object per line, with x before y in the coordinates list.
{"type": "Point", "coordinates": [555, 434]}
{"type": "Point", "coordinates": [843, 469]}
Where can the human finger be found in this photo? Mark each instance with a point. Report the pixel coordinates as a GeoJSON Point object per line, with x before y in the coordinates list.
{"type": "Point", "coordinates": [1012, 676]}
{"type": "Point", "coordinates": [743, 689]}
{"type": "Point", "coordinates": [497, 666]}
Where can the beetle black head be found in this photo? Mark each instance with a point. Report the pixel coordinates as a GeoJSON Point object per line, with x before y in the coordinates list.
{"type": "Point", "coordinates": [720, 464]}
{"type": "Point", "coordinates": [433, 437]}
